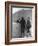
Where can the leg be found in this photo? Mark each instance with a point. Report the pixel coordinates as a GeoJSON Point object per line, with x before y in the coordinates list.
{"type": "Point", "coordinates": [28, 30]}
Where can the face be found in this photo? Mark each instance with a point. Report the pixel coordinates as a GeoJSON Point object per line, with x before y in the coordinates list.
{"type": "Point", "coordinates": [28, 18]}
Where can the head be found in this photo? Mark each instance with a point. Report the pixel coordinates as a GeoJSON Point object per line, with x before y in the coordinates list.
{"type": "Point", "coordinates": [28, 18]}
{"type": "Point", "coordinates": [19, 18]}
{"type": "Point", "coordinates": [22, 18]}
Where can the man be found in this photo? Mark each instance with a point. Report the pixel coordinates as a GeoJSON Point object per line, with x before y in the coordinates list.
{"type": "Point", "coordinates": [28, 25]}
{"type": "Point", "coordinates": [22, 24]}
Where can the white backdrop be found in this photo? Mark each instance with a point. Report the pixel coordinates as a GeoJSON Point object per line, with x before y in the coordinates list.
{"type": "Point", "coordinates": [2, 23]}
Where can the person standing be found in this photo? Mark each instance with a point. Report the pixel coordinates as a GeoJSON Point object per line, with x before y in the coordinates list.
{"type": "Point", "coordinates": [28, 25]}
{"type": "Point", "coordinates": [22, 22]}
